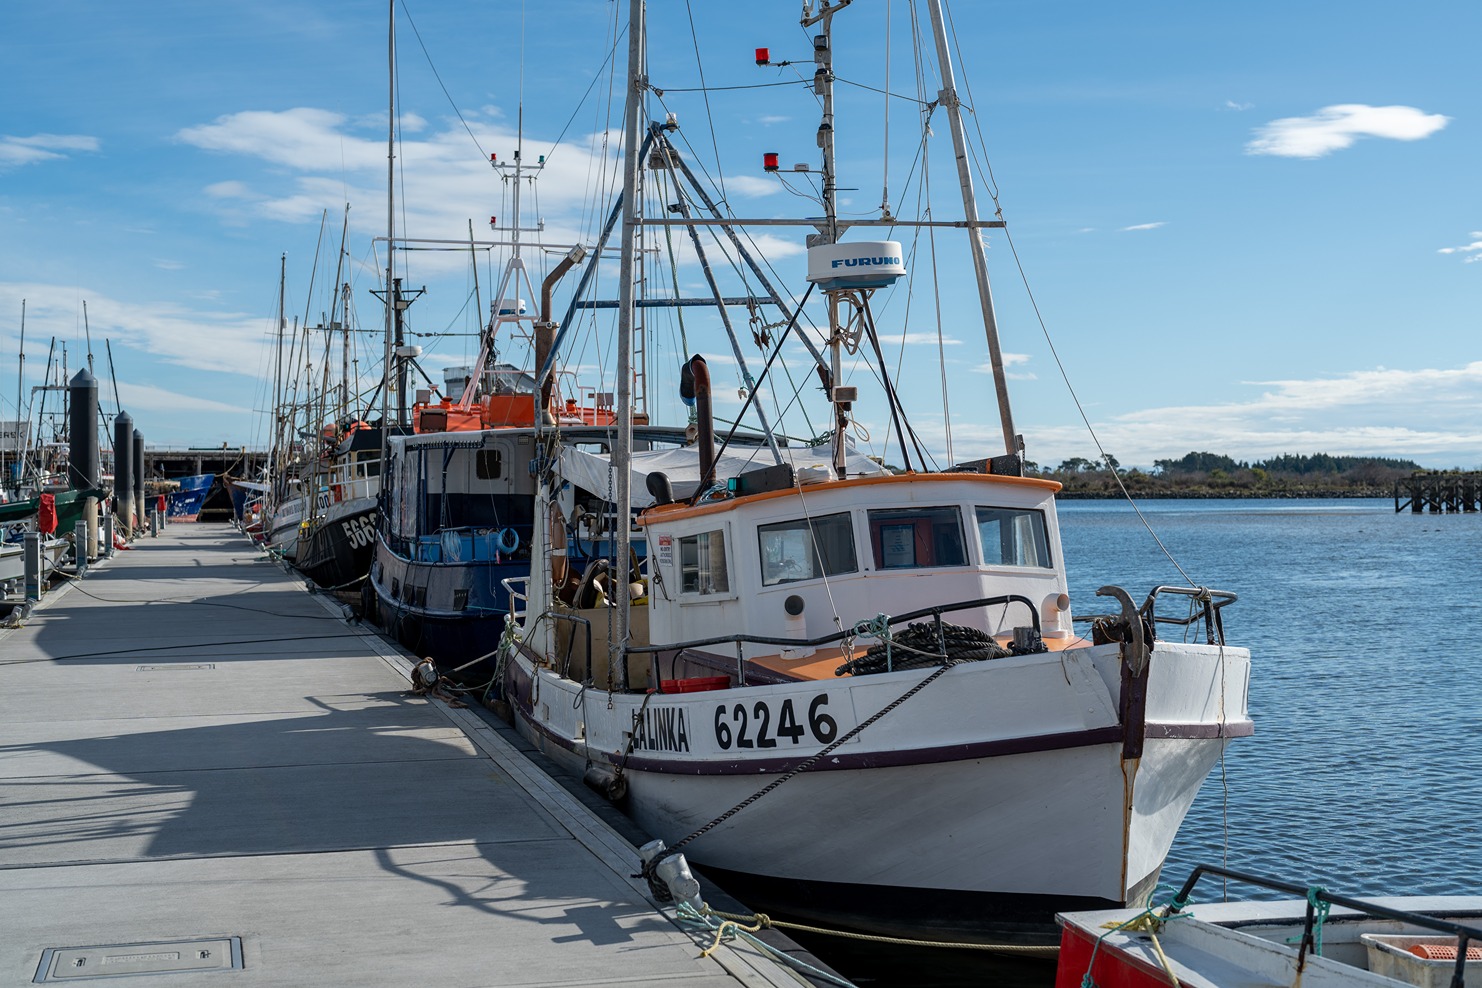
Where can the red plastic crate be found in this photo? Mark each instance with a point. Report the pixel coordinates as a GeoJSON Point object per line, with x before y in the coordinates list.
{"type": "Point", "coordinates": [698, 685]}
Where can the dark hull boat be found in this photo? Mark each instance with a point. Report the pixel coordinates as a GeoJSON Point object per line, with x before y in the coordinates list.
{"type": "Point", "coordinates": [336, 548]}
{"type": "Point", "coordinates": [456, 529]}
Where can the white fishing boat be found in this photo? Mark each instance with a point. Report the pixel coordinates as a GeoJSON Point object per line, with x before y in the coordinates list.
{"type": "Point", "coordinates": [858, 696]}
{"type": "Point", "coordinates": [1318, 939]}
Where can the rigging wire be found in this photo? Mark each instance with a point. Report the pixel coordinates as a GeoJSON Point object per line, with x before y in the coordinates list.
{"type": "Point", "coordinates": [709, 116]}
{"type": "Point", "coordinates": [428, 55]}
{"type": "Point", "coordinates": [991, 187]}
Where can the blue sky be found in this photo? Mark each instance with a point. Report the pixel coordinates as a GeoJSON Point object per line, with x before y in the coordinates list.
{"type": "Point", "coordinates": [1248, 229]}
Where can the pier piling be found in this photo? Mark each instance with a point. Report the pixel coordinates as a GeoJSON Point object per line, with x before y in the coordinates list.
{"type": "Point", "coordinates": [123, 471]}
{"type": "Point", "coordinates": [1440, 492]}
{"type": "Point", "coordinates": [34, 576]}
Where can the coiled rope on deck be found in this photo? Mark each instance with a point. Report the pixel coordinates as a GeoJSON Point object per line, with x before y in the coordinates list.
{"type": "Point", "coordinates": [921, 645]}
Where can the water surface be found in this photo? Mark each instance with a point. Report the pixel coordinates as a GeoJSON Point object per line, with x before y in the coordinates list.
{"type": "Point", "coordinates": [1366, 691]}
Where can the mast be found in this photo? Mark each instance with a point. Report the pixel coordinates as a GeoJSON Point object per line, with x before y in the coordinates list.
{"type": "Point", "coordinates": [623, 447]}
{"type": "Point", "coordinates": [828, 231]}
{"type": "Point", "coordinates": [949, 100]}
{"type": "Point", "coordinates": [390, 227]}
{"type": "Point", "coordinates": [345, 352]}
{"type": "Point", "coordinates": [20, 377]}
{"type": "Point", "coordinates": [276, 450]}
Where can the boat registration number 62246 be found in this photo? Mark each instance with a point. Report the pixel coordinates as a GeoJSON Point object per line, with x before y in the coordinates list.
{"type": "Point", "coordinates": [765, 723]}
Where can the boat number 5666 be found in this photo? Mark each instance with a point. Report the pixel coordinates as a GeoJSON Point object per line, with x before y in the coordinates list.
{"type": "Point", "coordinates": [762, 724]}
{"type": "Point", "coordinates": [359, 531]}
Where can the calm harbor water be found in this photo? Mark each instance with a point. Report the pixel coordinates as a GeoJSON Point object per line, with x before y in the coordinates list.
{"type": "Point", "coordinates": [1366, 691]}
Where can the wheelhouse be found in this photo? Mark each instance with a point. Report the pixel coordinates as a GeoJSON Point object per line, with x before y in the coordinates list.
{"type": "Point", "coordinates": [818, 558]}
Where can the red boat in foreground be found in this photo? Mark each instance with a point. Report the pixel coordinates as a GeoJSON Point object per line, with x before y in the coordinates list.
{"type": "Point", "coordinates": [1318, 940]}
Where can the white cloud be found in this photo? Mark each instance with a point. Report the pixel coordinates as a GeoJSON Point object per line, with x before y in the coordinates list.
{"type": "Point", "coordinates": [1144, 226]}
{"type": "Point", "coordinates": [1238, 107]}
{"type": "Point", "coordinates": [898, 339]}
{"type": "Point", "coordinates": [1010, 361]}
{"type": "Point", "coordinates": [228, 190]}
{"type": "Point", "coordinates": [1336, 127]}
{"type": "Point", "coordinates": [42, 147]}
{"type": "Point", "coordinates": [199, 339]}
{"type": "Point", "coordinates": [1473, 250]}
{"type": "Point", "coordinates": [1430, 415]}
{"type": "Point", "coordinates": [149, 398]}
{"type": "Point", "coordinates": [752, 186]}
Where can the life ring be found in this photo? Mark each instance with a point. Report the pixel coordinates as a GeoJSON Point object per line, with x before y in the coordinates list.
{"type": "Point", "coordinates": [508, 541]}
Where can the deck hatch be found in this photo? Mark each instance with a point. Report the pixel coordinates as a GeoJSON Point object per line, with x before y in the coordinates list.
{"type": "Point", "coordinates": [122, 960]}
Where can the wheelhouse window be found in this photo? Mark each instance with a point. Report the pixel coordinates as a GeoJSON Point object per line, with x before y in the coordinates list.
{"type": "Point", "coordinates": [806, 549]}
{"type": "Point", "coordinates": [1013, 537]}
{"type": "Point", "coordinates": [702, 563]}
{"type": "Point", "coordinates": [489, 464]}
{"type": "Point", "coordinates": [917, 538]}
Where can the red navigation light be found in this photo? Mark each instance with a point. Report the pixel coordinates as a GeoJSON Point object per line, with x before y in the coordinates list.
{"type": "Point", "coordinates": [763, 56]}
{"type": "Point", "coordinates": [769, 161]}
{"type": "Point", "coordinates": [493, 222]}
{"type": "Point", "coordinates": [493, 158]}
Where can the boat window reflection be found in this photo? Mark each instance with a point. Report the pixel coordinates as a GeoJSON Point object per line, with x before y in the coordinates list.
{"type": "Point", "coordinates": [702, 563]}
{"type": "Point", "coordinates": [917, 538]}
{"type": "Point", "coordinates": [1013, 537]}
{"type": "Point", "coordinates": [791, 552]}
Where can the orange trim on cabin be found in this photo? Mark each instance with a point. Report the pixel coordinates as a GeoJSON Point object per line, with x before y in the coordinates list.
{"type": "Point", "coordinates": [822, 663]}
{"type": "Point", "coordinates": [670, 512]}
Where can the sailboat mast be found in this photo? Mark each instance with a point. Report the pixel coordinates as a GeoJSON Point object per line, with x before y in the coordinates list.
{"type": "Point", "coordinates": [622, 448]}
{"type": "Point", "coordinates": [20, 375]}
{"type": "Point", "coordinates": [345, 352]}
{"type": "Point", "coordinates": [949, 100]}
{"type": "Point", "coordinates": [390, 226]}
{"type": "Point", "coordinates": [274, 418]}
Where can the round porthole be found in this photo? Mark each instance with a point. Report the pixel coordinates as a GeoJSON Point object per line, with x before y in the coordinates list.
{"type": "Point", "coordinates": [793, 605]}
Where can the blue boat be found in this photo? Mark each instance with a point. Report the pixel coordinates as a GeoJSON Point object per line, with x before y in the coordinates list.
{"type": "Point", "coordinates": [184, 503]}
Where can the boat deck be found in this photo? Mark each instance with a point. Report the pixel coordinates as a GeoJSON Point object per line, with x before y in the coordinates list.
{"type": "Point", "coordinates": [205, 771]}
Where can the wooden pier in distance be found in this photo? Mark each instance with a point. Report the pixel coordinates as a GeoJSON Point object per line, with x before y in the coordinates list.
{"type": "Point", "coordinates": [1439, 492]}
{"type": "Point", "coordinates": [168, 463]}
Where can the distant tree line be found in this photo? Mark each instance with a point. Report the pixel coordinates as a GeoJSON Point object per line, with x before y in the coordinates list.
{"type": "Point", "coordinates": [1203, 474]}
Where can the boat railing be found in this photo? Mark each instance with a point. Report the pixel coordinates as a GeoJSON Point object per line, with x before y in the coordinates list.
{"type": "Point", "coordinates": [518, 588]}
{"type": "Point", "coordinates": [1315, 894]}
{"type": "Point", "coordinates": [518, 599]}
{"type": "Point", "coordinates": [740, 641]}
{"type": "Point", "coordinates": [353, 479]}
{"type": "Point", "coordinates": [1205, 607]}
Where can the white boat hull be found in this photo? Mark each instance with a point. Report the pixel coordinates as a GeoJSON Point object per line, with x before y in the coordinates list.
{"type": "Point", "coordinates": [1004, 778]}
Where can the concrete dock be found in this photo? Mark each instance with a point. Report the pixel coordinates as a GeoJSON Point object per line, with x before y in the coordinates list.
{"type": "Point", "coordinates": [208, 777]}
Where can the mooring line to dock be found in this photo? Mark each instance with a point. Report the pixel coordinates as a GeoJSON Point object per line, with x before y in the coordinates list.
{"type": "Point", "coordinates": [192, 600]}
{"type": "Point", "coordinates": [166, 648]}
{"type": "Point", "coordinates": [761, 921]}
